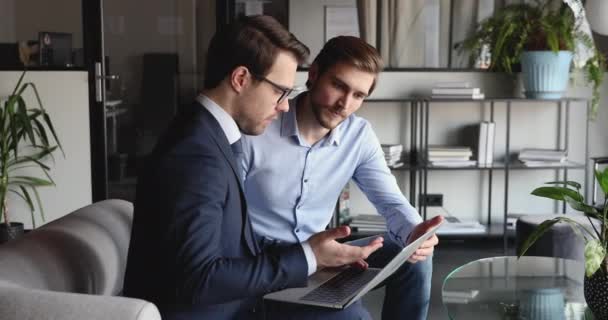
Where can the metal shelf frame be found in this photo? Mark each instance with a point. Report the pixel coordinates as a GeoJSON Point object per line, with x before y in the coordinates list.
{"type": "Point", "coordinates": [420, 144]}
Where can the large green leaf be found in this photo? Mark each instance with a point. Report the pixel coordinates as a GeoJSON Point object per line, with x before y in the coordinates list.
{"type": "Point", "coordinates": [28, 199]}
{"type": "Point", "coordinates": [25, 121]}
{"type": "Point", "coordinates": [29, 181]}
{"type": "Point", "coordinates": [557, 193]}
{"type": "Point", "coordinates": [594, 256]}
{"type": "Point", "coordinates": [602, 179]}
{"type": "Point", "coordinates": [536, 234]}
{"type": "Point", "coordinates": [580, 206]}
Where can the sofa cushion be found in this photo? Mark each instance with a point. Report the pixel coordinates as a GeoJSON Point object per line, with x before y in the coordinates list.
{"type": "Point", "coordinates": [25, 304]}
{"type": "Point", "coordinates": [82, 252]}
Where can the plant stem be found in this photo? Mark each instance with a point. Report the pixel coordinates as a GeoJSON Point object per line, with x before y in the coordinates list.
{"type": "Point", "coordinates": [605, 209]}
{"type": "Point", "coordinates": [5, 213]}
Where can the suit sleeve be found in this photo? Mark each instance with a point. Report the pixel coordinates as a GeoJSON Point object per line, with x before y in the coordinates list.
{"type": "Point", "coordinates": [199, 190]}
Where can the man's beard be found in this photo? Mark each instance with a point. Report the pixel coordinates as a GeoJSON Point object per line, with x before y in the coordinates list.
{"type": "Point", "coordinates": [317, 110]}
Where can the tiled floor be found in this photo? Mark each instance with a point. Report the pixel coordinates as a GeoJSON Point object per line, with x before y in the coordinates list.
{"type": "Point", "coordinates": [449, 255]}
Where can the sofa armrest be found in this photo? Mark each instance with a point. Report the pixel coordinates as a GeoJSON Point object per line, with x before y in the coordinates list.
{"type": "Point", "coordinates": [17, 303]}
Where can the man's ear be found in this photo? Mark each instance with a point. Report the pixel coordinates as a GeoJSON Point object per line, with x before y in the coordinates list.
{"type": "Point", "coordinates": [240, 78]}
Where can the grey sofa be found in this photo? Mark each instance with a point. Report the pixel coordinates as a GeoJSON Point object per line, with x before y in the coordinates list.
{"type": "Point", "coordinates": [72, 268]}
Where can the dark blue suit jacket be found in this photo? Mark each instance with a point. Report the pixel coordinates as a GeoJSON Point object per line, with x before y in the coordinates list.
{"type": "Point", "coordinates": [193, 252]}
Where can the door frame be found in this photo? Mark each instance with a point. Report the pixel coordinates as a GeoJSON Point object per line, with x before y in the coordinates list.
{"type": "Point", "coordinates": [92, 23]}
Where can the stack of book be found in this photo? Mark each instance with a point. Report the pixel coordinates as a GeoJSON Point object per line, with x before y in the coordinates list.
{"type": "Point", "coordinates": [456, 90]}
{"type": "Point", "coordinates": [455, 226]}
{"type": "Point", "coordinates": [368, 223]}
{"type": "Point", "coordinates": [393, 155]}
{"type": "Point", "coordinates": [450, 156]}
{"type": "Point", "coordinates": [543, 157]}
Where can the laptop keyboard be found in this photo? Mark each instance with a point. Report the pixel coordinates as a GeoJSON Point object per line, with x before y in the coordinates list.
{"type": "Point", "coordinates": [341, 286]}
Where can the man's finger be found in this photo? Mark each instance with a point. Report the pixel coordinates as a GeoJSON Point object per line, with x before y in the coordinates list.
{"type": "Point", "coordinates": [431, 242]}
{"type": "Point", "coordinates": [370, 248]}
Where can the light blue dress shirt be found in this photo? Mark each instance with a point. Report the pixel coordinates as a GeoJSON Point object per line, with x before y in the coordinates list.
{"type": "Point", "coordinates": [292, 187]}
{"type": "Point", "coordinates": [232, 132]}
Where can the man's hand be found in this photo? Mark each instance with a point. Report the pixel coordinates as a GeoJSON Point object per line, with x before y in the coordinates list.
{"type": "Point", "coordinates": [427, 247]}
{"type": "Point", "coordinates": [330, 253]}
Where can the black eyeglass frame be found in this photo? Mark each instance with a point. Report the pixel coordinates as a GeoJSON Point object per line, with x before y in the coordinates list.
{"type": "Point", "coordinates": [286, 92]}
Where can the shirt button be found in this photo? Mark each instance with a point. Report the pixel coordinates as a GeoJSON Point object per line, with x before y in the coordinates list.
{"type": "Point", "coordinates": [297, 230]}
{"type": "Point", "coordinates": [305, 180]}
{"type": "Point", "coordinates": [299, 207]}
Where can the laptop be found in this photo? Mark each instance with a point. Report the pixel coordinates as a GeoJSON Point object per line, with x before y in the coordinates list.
{"type": "Point", "coordinates": [338, 288]}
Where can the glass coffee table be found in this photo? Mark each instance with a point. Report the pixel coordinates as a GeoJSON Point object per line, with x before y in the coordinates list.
{"type": "Point", "coordinates": [534, 288]}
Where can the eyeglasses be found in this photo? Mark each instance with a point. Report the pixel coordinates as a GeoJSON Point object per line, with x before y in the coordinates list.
{"type": "Point", "coordinates": [286, 93]}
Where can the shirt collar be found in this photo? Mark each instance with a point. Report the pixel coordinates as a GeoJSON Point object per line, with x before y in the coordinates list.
{"type": "Point", "coordinates": [227, 123]}
{"type": "Point", "coordinates": [289, 126]}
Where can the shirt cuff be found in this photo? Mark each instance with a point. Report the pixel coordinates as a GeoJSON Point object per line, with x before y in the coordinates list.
{"type": "Point", "coordinates": [310, 257]}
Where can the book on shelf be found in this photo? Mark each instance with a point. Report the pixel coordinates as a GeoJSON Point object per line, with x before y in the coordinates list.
{"type": "Point", "coordinates": [535, 164]}
{"type": "Point", "coordinates": [455, 226]}
{"type": "Point", "coordinates": [370, 229]}
{"type": "Point", "coordinates": [454, 163]}
{"type": "Point", "coordinates": [449, 151]}
{"type": "Point", "coordinates": [391, 148]}
{"type": "Point", "coordinates": [368, 223]}
{"type": "Point", "coordinates": [482, 139]}
{"type": "Point", "coordinates": [491, 137]}
{"type": "Point", "coordinates": [474, 96]}
{"type": "Point", "coordinates": [455, 91]}
{"type": "Point", "coordinates": [543, 154]}
{"type": "Point", "coordinates": [396, 165]}
{"type": "Point", "coordinates": [449, 158]}
{"type": "Point", "coordinates": [452, 84]}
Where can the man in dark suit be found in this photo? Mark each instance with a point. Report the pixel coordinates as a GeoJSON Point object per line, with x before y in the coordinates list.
{"type": "Point", "coordinates": [193, 252]}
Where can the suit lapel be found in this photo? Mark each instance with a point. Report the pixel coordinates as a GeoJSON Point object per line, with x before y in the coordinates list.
{"type": "Point", "coordinates": [216, 132]}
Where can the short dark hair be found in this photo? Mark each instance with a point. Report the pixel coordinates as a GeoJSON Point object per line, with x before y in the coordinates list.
{"type": "Point", "coordinates": [350, 50]}
{"type": "Point", "coordinates": [253, 42]}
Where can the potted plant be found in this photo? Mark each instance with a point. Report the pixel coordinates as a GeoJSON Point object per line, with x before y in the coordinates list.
{"type": "Point", "coordinates": [24, 143]}
{"type": "Point", "coordinates": [596, 237]}
{"type": "Point", "coordinates": [542, 36]}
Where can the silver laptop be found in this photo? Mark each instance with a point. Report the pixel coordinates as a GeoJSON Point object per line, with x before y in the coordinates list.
{"type": "Point", "coordinates": [338, 288]}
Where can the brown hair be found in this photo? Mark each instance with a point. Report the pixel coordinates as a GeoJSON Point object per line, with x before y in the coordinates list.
{"type": "Point", "coordinates": [351, 50]}
{"type": "Point", "coordinates": [253, 42]}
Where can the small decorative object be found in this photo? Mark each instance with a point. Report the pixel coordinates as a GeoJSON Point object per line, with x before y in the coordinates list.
{"type": "Point", "coordinates": [24, 143]}
{"type": "Point", "coordinates": [542, 36]}
{"type": "Point", "coordinates": [596, 237]}
{"type": "Point", "coordinates": [543, 304]}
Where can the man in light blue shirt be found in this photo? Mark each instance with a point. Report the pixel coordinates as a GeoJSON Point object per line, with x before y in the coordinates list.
{"type": "Point", "coordinates": [321, 145]}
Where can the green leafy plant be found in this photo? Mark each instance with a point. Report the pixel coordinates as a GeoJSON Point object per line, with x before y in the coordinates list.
{"type": "Point", "coordinates": [24, 143]}
{"type": "Point", "coordinates": [536, 26]}
{"type": "Point", "coordinates": [596, 239]}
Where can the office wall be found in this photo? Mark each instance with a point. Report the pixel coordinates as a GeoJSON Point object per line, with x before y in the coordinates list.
{"type": "Point", "coordinates": [65, 97]}
{"type": "Point", "coordinates": [7, 21]}
{"type": "Point", "coordinates": [33, 16]}
{"type": "Point", "coordinates": [306, 21]}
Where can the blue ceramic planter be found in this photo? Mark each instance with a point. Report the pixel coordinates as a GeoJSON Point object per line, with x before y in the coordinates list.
{"type": "Point", "coordinates": [545, 73]}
